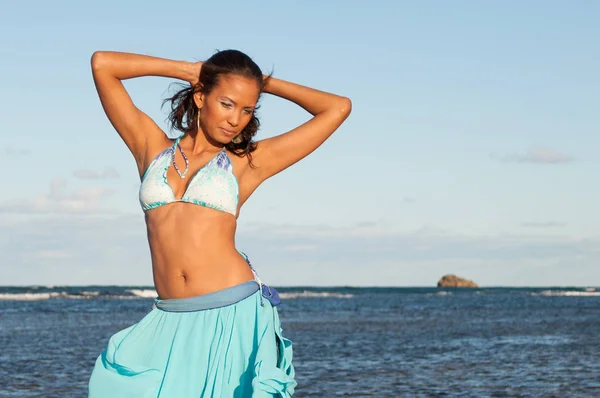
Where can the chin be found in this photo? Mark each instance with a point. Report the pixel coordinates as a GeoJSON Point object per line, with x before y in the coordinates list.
{"type": "Point", "coordinates": [220, 138]}
{"type": "Point", "coordinates": [225, 140]}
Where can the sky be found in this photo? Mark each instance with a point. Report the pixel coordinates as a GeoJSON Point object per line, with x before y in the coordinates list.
{"type": "Point", "coordinates": [470, 150]}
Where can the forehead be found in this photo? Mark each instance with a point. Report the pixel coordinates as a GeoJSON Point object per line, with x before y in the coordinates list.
{"type": "Point", "coordinates": [240, 89]}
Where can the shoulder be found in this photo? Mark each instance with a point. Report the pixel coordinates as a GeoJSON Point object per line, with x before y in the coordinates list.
{"type": "Point", "coordinates": [155, 144]}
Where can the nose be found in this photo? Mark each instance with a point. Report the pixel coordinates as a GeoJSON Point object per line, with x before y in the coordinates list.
{"type": "Point", "coordinates": [234, 119]}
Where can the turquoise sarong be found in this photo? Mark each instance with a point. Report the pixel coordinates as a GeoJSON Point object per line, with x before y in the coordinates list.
{"type": "Point", "coordinates": [223, 344]}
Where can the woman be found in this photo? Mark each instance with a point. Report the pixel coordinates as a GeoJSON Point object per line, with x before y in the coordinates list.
{"type": "Point", "coordinates": [214, 330]}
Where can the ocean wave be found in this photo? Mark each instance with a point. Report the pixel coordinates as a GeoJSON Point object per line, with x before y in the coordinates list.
{"type": "Point", "coordinates": [309, 294]}
{"type": "Point", "coordinates": [586, 293]}
{"type": "Point", "coordinates": [440, 293]}
{"type": "Point", "coordinates": [30, 296]}
{"type": "Point", "coordinates": [45, 296]}
{"type": "Point", "coordinates": [144, 293]}
{"type": "Point", "coordinates": [141, 293]}
{"type": "Point", "coordinates": [90, 294]}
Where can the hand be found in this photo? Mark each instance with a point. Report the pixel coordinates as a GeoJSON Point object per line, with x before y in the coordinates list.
{"type": "Point", "coordinates": [194, 73]}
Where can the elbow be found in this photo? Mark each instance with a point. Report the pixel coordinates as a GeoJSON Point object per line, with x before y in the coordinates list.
{"type": "Point", "coordinates": [97, 60]}
{"type": "Point", "coordinates": [345, 107]}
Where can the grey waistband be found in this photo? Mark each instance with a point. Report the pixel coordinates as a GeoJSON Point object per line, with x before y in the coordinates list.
{"type": "Point", "coordinates": [220, 298]}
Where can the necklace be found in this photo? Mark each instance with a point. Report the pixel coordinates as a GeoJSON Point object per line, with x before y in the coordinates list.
{"type": "Point", "coordinates": [181, 175]}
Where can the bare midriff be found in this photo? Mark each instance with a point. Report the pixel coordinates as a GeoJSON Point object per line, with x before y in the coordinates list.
{"type": "Point", "coordinates": [193, 250]}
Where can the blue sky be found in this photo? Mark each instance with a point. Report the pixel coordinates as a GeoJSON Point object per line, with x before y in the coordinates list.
{"type": "Point", "coordinates": [471, 147]}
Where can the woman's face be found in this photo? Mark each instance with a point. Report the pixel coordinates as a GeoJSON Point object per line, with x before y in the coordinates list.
{"type": "Point", "coordinates": [228, 108]}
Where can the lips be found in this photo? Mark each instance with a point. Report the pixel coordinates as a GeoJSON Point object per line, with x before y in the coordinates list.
{"type": "Point", "coordinates": [228, 132]}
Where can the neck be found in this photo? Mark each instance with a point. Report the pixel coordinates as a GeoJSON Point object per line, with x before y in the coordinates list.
{"type": "Point", "coordinates": [199, 142]}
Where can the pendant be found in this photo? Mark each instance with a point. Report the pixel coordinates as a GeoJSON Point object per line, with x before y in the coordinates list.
{"type": "Point", "coordinates": [181, 175]}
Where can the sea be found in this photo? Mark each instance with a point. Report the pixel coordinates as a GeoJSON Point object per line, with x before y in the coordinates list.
{"type": "Point", "coordinates": [355, 342]}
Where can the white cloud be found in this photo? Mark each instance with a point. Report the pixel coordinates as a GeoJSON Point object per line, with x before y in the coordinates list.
{"type": "Point", "coordinates": [58, 201]}
{"type": "Point", "coordinates": [14, 152]}
{"type": "Point", "coordinates": [545, 224]}
{"type": "Point", "coordinates": [53, 254]}
{"type": "Point", "coordinates": [108, 174]}
{"type": "Point", "coordinates": [92, 249]}
{"type": "Point", "coordinates": [541, 155]}
{"type": "Point", "coordinates": [299, 248]}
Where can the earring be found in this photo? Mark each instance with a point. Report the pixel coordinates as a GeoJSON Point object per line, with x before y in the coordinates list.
{"type": "Point", "coordinates": [237, 139]}
{"type": "Point", "coordinates": [198, 122]}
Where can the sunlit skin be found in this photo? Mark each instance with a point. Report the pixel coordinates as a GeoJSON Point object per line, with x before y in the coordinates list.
{"type": "Point", "coordinates": [179, 231]}
{"type": "Point", "coordinates": [228, 108]}
{"type": "Point", "coordinates": [193, 247]}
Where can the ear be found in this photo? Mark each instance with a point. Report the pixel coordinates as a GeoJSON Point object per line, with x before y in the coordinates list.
{"type": "Point", "coordinates": [199, 99]}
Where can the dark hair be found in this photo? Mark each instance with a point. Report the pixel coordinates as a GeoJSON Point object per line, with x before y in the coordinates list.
{"type": "Point", "coordinates": [227, 62]}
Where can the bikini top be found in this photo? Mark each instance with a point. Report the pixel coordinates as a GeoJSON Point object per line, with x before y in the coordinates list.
{"type": "Point", "coordinates": [214, 185]}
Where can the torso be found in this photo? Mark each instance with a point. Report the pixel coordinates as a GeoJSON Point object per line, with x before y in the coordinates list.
{"type": "Point", "coordinates": [193, 247]}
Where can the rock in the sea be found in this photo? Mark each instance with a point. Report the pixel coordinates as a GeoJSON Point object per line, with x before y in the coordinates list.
{"type": "Point", "coordinates": [455, 281]}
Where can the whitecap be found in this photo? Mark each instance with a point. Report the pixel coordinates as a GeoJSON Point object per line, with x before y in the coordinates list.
{"type": "Point", "coordinates": [309, 294]}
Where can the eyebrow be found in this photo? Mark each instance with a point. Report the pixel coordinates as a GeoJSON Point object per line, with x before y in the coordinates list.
{"type": "Point", "coordinates": [235, 103]}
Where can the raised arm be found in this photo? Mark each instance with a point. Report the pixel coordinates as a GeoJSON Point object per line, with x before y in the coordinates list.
{"type": "Point", "coordinates": [135, 127]}
{"type": "Point", "coordinates": [329, 112]}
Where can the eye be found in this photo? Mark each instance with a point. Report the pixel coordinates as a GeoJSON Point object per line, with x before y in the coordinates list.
{"type": "Point", "coordinates": [226, 105]}
{"type": "Point", "coordinates": [248, 111]}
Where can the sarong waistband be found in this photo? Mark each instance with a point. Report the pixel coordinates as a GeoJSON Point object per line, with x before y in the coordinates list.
{"type": "Point", "coordinates": [220, 298]}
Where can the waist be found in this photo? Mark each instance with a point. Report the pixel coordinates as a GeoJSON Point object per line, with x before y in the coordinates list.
{"type": "Point", "coordinates": [181, 278]}
{"type": "Point", "coordinates": [218, 299]}
{"type": "Point", "coordinates": [193, 252]}
{"type": "Point", "coordinates": [192, 245]}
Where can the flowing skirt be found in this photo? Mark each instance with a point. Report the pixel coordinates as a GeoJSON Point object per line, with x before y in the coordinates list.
{"type": "Point", "coordinates": [223, 344]}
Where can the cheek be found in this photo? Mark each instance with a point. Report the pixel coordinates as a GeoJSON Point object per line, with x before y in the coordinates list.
{"type": "Point", "coordinates": [212, 115]}
{"type": "Point", "coordinates": [222, 114]}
